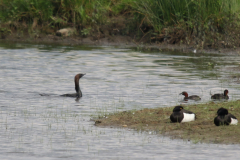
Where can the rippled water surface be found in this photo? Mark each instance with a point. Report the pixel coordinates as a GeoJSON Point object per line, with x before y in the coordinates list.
{"type": "Point", "coordinates": [53, 127]}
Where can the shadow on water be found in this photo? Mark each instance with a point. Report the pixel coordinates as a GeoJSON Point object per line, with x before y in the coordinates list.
{"type": "Point", "coordinates": [117, 79]}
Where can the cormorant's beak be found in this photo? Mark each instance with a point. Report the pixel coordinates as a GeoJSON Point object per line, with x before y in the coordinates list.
{"type": "Point", "coordinates": [82, 75]}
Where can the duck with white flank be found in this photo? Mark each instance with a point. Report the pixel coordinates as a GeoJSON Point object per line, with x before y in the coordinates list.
{"type": "Point", "coordinates": [225, 118]}
{"type": "Point", "coordinates": [193, 97]}
{"type": "Point", "coordinates": [220, 95]}
{"type": "Point", "coordinates": [181, 115]}
{"type": "Point", "coordinates": [78, 93]}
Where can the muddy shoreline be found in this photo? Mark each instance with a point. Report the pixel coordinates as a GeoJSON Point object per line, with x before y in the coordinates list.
{"type": "Point", "coordinates": [117, 41]}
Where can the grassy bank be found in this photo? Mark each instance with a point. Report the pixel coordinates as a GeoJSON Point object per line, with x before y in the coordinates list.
{"type": "Point", "coordinates": [202, 23]}
{"type": "Point", "coordinates": [201, 130]}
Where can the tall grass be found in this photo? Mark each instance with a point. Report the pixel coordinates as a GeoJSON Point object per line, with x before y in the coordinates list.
{"type": "Point", "coordinates": [160, 13]}
{"type": "Point", "coordinates": [17, 10]}
{"type": "Point", "coordinates": [157, 13]}
{"type": "Point", "coordinates": [68, 11]}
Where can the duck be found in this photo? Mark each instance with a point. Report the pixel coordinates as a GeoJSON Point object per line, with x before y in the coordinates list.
{"type": "Point", "coordinates": [193, 97]}
{"type": "Point", "coordinates": [78, 93]}
{"type": "Point", "coordinates": [181, 115]}
{"type": "Point", "coordinates": [225, 118]}
{"type": "Point", "coordinates": [221, 96]}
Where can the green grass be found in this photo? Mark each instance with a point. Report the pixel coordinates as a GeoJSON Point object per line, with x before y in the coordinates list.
{"type": "Point", "coordinates": [158, 13]}
{"type": "Point", "coordinates": [203, 21]}
{"type": "Point", "coordinates": [201, 130]}
{"type": "Point", "coordinates": [195, 13]}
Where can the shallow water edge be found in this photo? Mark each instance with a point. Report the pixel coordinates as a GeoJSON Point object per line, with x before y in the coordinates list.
{"type": "Point", "coordinates": [119, 41]}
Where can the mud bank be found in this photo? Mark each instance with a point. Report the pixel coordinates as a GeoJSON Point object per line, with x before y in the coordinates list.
{"type": "Point", "coordinates": [118, 41]}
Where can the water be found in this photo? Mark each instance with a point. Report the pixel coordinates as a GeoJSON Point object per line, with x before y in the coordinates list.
{"type": "Point", "coordinates": [53, 127]}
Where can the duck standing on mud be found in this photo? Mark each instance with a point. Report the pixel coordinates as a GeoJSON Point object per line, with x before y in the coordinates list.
{"type": "Point", "coordinates": [221, 96]}
{"type": "Point", "coordinates": [193, 97]}
{"type": "Point", "coordinates": [181, 115]}
{"type": "Point", "coordinates": [225, 118]}
{"type": "Point", "coordinates": [78, 93]}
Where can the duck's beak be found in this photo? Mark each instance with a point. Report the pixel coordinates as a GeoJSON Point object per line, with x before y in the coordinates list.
{"type": "Point", "coordinates": [180, 93]}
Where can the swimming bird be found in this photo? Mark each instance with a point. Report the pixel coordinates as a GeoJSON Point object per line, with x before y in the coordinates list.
{"type": "Point", "coordinates": [193, 97]}
{"type": "Point", "coordinates": [181, 115]}
{"type": "Point", "coordinates": [224, 118]}
{"type": "Point", "coordinates": [221, 96]}
{"type": "Point", "coordinates": [78, 93]}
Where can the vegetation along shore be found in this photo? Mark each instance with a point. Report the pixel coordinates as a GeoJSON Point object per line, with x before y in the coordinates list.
{"type": "Point", "coordinates": [158, 121]}
{"type": "Point", "coordinates": [201, 24]}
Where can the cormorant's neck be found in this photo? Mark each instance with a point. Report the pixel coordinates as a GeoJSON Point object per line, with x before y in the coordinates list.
{"type": "Point", "coordinates": [77, 88]}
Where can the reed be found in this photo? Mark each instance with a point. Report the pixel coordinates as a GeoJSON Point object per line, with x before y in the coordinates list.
{"type": "Point", "coordinates": [155, 12]}
{"type": "Point", "coordinates": [195, 18]}
{"type": "Point", "coordinates": [161, 13]}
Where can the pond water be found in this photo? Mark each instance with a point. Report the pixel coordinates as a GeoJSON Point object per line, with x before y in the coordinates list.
{"type": "Point", "coordinates": [53, 127]}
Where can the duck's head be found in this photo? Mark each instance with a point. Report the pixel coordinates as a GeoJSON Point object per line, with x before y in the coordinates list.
{"type": "Point", "coordinates": [184, 93]}
{"type": "Point", "coordinates": [178, 109]}
{"type": "Point", "coordinates": [225, 92]}
{"type": "Point", "coordinates": [222, 111]}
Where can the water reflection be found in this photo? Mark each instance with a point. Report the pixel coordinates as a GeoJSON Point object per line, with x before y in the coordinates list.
{"type": "Point", "coordinates": [33, 126]}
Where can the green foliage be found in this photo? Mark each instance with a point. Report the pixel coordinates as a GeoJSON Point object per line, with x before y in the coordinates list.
{"type": "Point", "coordinates": [72, 11]}
{"type": "Point", "coordinates": [19, 10]}
{"type": "Point", "coordinates": [197, 15]}
{"type": "Point", "coordinates": [86, 31]}
{"type": "Point", "coordinates": [4, 31]}
{"type": "Point", "coordinates": [161, 13]}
